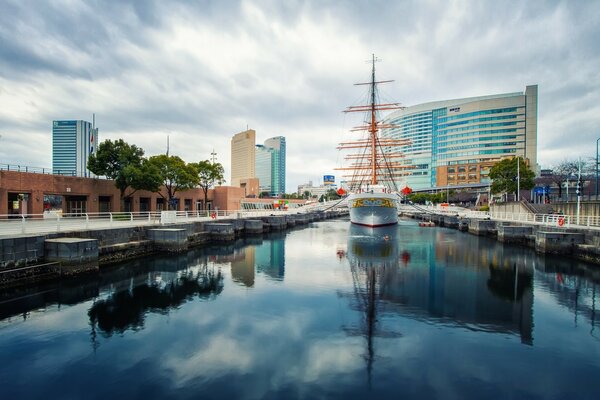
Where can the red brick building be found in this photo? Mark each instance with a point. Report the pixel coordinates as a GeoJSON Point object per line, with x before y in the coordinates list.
{"type": "Point", "coordinates": [34, 193]}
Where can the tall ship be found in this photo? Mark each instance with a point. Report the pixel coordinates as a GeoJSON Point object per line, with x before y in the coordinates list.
{"type": "Point", "coordinates": [374, 170]}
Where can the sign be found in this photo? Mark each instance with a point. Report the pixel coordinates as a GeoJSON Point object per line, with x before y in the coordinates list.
{"type": "Point", "coordinates": [541, 190]}
{"type": "Point", "coordinates": [328, 180]}
{"type": "Point", "coordinates": [454, 109]}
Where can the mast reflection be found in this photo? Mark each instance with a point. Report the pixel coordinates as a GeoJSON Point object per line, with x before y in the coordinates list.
{"type": "Point", "coordinates": [446, 282]}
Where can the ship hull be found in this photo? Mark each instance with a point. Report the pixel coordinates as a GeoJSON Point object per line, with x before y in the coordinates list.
{"type": "Point", "coordinates": [373, 209]}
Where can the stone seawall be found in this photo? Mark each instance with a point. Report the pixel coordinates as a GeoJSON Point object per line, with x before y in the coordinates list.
{"type": "Point", "coordinates": [582, 244]}
{"type": "Point", "coordinates": [47, 256]}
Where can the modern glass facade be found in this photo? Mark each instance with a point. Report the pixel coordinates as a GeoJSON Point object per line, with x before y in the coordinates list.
{"type": "Point", "coordinates": [265, 158]}
{"type": "Point", "coordinates": [278, 164]}
{"type": "Point", "coordinates": [73, 142]}
{"type": "Point", "coordinates": [455, 142]}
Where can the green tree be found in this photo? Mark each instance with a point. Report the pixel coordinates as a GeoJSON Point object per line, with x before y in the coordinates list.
{"type": "Point", "coordinates": [208, 175]}
{"type": "Point", "coordinates": [175, 175]}
{"type": "Point", "coordinates": [125, 164]}
{"type": "Point", "coordinates": [504, 176]}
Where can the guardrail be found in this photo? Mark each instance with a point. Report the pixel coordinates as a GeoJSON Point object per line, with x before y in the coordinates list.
{"type": "Point", "coordinates": [556, 220]}
{"type": "Point", "coordinates": [18, 224]}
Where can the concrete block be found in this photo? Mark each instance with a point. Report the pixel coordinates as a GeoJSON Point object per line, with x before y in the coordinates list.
{"type": "Point", "coordinates": [515, 234]}
{"type": "Point", "coordinates": [220, 232]}
{"type": "Point", "coordinates": [75, 255]}
{"type": "Point", "coordinates": [482, 227]}
{"type": "Point", "coordinates": [171, 240]}
{"type": "Point", "coordinates": [557, 242]}
{"type": "Point", "coordinates": [253, 226]}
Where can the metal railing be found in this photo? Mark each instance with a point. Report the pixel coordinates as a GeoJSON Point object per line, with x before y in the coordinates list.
{"type": "Point", "coordinates": [19, 224]}
{"type": "Point", "coordinates": [555, 220]}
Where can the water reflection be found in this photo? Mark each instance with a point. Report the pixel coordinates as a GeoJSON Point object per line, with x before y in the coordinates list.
{"type": "Point", "coordinates": [263, 256]}
{"type": "Point", "coordinates": [474, 287]}
{"type": "Point", "coordinates": [126, 309]}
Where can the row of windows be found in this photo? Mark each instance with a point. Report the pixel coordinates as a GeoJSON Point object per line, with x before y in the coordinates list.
{"type": "Point", "coordinates": [472, 168]}
{"type": "Point", "coordinates": [472, 127]}
{"type": "Point", "coordinates": [478, 139]}
{"type": "Point", "coordinates": [461, 177]}
{"type": "Point", "coordinates": [478, 152]}
{"type": "Point", "coordinates": [476, 113]}
{"type": "Point", "coordinates": [475, 146]}
{"type": "Point", "coordinates": [483, 119]}
{"type": "Point", "coordinates": [487, 132]}
{"type": "Point", "coordinates": [472, 161]}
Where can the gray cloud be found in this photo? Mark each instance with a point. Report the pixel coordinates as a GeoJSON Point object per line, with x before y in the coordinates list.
{"type": "Point", "coordinates": [201, 71]}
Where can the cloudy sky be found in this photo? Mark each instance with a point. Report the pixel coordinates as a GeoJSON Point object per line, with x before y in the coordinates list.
{"type": "Point", "coordinates": [201, 71]}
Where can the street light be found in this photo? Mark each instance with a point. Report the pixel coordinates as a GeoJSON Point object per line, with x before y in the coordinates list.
{"type": "Point", "coordinates": [597, 140]}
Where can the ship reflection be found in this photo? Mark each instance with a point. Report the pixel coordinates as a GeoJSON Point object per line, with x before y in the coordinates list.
{"type": "Point", "coordinates": [397, 273]}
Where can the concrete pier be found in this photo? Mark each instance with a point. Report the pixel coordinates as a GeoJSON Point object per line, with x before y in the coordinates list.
{"type": "Point", "coordinates": [75, 255]}
{"type": "Point", "coordinates": [522, 235]}
{"type": "Point", "coordinates": [482, 227]}
{"type": "Point", "coordinates": [558, 242]}
{"type": "Point", "coordinates": [253, 226]}
{"type": "Point", "coordinates": [220, 232]}
{"type": "Point", "coordinates": [172, 240]}
{"type": "Point", "coordinates": [275, 222]}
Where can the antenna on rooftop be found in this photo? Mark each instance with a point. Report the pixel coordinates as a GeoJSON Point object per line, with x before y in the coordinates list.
{"type": "Point", "coordinates": [213, 156]}
{"type": "Point", "coordinates": [167, 145]}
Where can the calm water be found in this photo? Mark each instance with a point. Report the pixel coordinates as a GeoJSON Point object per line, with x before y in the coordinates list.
{"type": "Point", "coordinates": [327, 311]}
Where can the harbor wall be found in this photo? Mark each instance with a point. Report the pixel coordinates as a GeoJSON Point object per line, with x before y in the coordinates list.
{"type": "Point", "coordinates": [21, 257]}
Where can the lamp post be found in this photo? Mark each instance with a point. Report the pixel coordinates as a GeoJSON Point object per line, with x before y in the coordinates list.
{"type": "Point", "coordinates": [518, 179]}
{"type": "Point", "coordinates": [578, 189]}
{"type": "Point", "coordinates": [597, 140]}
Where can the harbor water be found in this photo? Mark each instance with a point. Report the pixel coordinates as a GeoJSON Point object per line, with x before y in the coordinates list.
{"type": "Point", "coordinates": [325, 311]}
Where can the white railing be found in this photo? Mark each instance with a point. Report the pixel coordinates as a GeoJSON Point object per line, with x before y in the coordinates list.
{"type": "Point", "coordinates": [18, 224]}
{"type": "Point", "coordinates": [556, 220]}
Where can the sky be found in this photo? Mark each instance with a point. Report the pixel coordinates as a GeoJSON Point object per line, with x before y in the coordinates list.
{"type": "Point", "coordinates": [201, 71]}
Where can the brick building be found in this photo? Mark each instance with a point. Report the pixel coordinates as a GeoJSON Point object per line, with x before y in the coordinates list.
{"type": "Point", "coordinates": [34, 193]}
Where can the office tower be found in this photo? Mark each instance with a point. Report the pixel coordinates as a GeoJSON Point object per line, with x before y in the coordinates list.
{"type": "Point", "coordinates": [243, 163]}
{"type": "Point", "coordinates": [278, 165]}
{"type": "Point", "coordinates": [265, 158]}
{"type": "Point", "coordinates": [72, 144]}
{"type": "Point", "coordinates": [456, 142]}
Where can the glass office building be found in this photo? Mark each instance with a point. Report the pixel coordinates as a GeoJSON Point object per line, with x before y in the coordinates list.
{"type": "Point", "coordinates": [72, 144]}
{"type": "Point", "coordinates": [456, 142]}
{"type": "Point", "coordinates": [265, 159]}
{"type": "Point", "coordinates": [277, 144]}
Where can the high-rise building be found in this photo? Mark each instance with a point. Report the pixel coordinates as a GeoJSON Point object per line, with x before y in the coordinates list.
{"type": "Point", "coordinates": [278, 165]}
{"type": "Point", "coordinates": [243, 162]}
{"type": "Point", "coordinates": [265, 158]}
{"type": "Point", "coordinates": [456, 142]}
{"type": "Point", "coordinates": [72, 144]}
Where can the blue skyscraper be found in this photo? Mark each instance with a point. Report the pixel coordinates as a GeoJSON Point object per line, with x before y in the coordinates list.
{"type": "Point", "coordinates": [278, 167]}
{"type": "Point", "coordinates": [72, 144]}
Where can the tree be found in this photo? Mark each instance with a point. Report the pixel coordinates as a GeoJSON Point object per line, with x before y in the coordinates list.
{"type": "Point", "coordinates": [208, 175]}
{"type": "Point", "coordinates": [566, 171]}
{"type": "Point", "coordinates": [125, 164]}
{"type": "Point", "coordinates": [504, 176]}
{"type": "Point", "coordinates": [175, 175]}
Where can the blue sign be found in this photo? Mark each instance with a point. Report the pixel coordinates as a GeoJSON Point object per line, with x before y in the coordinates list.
{"type": "Point", "coordinates": [328, 180]}
{"type": "Point", "coordinates": [541, 190]}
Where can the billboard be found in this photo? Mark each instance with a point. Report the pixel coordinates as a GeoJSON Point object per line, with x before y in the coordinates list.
{"type": "Point", "coordinates": [328, 180]}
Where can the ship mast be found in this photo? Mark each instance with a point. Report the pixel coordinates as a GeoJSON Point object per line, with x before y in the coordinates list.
{"type": "Point", "coordinates": [366, 165]}
{"type": "Point", "coordinates": [373, 127]}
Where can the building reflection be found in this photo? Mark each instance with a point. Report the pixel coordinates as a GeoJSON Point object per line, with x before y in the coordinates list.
{"type": "Point", "coordinates": [263, 256]}
{"type": "Point", "coordinates": [573, 287]}
{"type": "Point", "coordinates": [456, 283]}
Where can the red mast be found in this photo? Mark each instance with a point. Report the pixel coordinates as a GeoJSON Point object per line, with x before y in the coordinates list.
{"type": "Point", "coordinates": [367, 164]}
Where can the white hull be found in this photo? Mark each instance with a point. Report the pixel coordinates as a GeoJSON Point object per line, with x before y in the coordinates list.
{"type": "Point", "coordinates": [373, 209]}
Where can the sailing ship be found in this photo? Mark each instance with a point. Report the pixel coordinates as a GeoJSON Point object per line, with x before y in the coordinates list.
{"type": "Point", "coordinates": [373, 192]}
